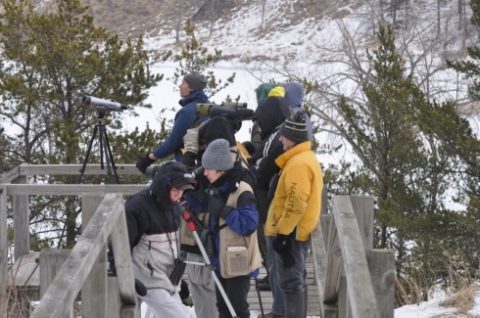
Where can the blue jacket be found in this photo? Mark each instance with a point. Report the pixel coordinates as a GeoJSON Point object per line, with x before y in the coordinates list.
{"type": "Point", "coordinates": [185, 119]}
{"type": "Point", "coordinates": [243, 219]}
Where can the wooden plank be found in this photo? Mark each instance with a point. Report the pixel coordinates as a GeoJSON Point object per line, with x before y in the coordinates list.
{"type": "Point", "coordinates": [382, 268]}
{"type": "Point", "coordinates": [74, 169]}
{"type": "Point", "coordinates": [319, 257]}
{"type": "Point", "coordinates": [363, 209]}
{"type": "Point", "coordinates": [71, 189]}
{"type": "Point", "coordinates": [11, 175]}
{"type": "Point", "coordinates": [3, 253]}
{"type": "Point", "coordinates": [123, 260]}
{"type": "Point", "coordinates": [62, 292]}
{"type": "Point", "coordinates": [334, 264]}
{"type": "Point", "coordinates": [94, 290]}
{"type": "Point", "coordinates": [21, 221]}
{"type": "Point", "coordinates": [51, 260]}
{"type": "Point", "coordinates": [25, 271]}
{"type": "Point", "coordinates": [359, 284]}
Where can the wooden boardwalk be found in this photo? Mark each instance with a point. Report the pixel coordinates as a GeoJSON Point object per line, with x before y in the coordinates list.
{"type": "Point", "coordinates": [313, 308]}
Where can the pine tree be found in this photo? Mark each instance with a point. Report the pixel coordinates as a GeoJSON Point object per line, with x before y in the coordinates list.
{"type": "Point", "coordinates": [194, 56]}
{"type": "Point", "coordinates": [51, 60]}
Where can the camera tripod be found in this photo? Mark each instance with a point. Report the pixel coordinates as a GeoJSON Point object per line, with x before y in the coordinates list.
{"type": "Point", "coordinates": [104, 146]}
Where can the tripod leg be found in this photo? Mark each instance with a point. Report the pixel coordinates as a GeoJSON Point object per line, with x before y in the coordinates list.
{"type": "Point", "coordinates": [101, 129]}
{"type": "Point", "coordinates": [109, 157]}
{"type": "Point", "coordinates": [84, 165]}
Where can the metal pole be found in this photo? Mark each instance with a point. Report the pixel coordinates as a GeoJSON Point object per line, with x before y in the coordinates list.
{"type": "Point", "coordinates": [193, 228]}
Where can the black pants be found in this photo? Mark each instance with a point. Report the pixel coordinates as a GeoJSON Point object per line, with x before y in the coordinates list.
{"type": "Point", "coordinates": [236, 289]}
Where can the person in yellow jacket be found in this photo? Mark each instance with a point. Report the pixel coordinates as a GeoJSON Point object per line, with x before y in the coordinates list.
{"type": "Point", "coordinates": [292, 217]}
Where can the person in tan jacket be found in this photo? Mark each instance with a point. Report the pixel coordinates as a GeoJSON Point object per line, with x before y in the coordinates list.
{"type": "Point", "coordinates": [293, 215]}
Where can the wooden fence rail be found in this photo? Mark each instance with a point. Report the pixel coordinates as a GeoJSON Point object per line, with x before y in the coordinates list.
{"type": "Point", "coordinates": [109, 218]}
{"type": "Point", "coordinates": [353, 279]}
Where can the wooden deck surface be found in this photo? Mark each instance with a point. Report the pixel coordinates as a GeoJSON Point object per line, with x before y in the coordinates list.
{"type": "Point", "coordinates": [266, 296]}
{"type": "Point", "coordinates": [27, 275]}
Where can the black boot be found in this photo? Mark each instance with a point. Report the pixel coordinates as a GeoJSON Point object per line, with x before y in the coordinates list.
{"type": "Point", "coordinates": [295, 306]}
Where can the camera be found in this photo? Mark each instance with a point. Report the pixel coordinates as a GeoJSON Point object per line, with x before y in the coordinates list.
{"type": "Point", "coordinates": [230, 110]}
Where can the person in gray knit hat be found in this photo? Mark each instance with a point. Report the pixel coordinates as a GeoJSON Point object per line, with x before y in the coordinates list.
{"type": "Point", "coordinates": [217, 156]}
{"type": "Point", "coordinates": [295, 128]}
{"type": "Point", "coordinates": [232, 222]}
{"type": "Point", "coordinates": [196, 81]}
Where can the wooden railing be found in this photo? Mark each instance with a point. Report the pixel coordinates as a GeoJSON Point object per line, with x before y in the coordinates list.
{"type": "Point", "coordinates": [109, 219]}
{"type": "Point", "coordinates": [353, 279]}
{"type": "Point", "coordinates": [85, 268]}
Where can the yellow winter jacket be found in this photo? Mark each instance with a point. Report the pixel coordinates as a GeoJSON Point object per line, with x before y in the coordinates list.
{"type": "Point", "coordinates": [297, 199]}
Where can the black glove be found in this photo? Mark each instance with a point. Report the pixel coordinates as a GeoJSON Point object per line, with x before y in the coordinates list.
{"type": "Point", "coordinates": [282, 244]}
{"type": "Point", "coordinates": [143, 163]}
{"type": "Point", "coordinates": [140, 288]}
{"type": "Point", "coordinates": [216, 206]}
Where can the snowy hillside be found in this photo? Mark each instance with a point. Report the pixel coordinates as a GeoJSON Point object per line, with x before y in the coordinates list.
{"type": "Point", "coordinates": [319, 48]}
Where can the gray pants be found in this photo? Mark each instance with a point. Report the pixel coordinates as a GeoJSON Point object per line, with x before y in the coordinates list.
{"type": "Point", "coordinates": [202, 288]}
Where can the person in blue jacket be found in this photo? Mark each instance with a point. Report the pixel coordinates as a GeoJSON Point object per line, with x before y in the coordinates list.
{"type": "Point", "coordinates": [191, 92]}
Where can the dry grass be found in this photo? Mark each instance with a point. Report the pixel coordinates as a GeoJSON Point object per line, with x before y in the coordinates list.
{"type": "Point", "coordinates": [463, 300]}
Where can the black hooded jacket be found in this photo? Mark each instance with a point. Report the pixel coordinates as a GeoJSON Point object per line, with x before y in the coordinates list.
{"type": "Point", "coordinates": [150, 211]}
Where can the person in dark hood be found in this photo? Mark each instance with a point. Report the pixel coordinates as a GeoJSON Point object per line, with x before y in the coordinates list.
{"type": "Point", "coordinates": [153, 222]}
{"type": "Point", "coordinates": [191, 91]}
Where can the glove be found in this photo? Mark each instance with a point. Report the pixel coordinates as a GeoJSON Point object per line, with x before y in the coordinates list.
{"type": "Point", "coordinates": [140, 288]}
{"type": "Point", "coordinates": [282, 244]}
{"type": "Point", "coordinates": [143, 163]}
{"type": "Point", "coordinates": [190, 141]}
{"type": "Point", "coordinates": [216, 206]}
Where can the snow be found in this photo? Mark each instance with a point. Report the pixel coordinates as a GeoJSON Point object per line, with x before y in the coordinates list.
{"type": "Point", "coordinates": [309, 49]}
{"type": "Point", "coordinates": [313, 49]}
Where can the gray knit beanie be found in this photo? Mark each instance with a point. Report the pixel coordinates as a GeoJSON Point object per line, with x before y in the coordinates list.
{"type": "Point", "coordinates": [217, 156]}
{"type": "Point", "coordinates": [295, 128]}
{"type": "Point", "coordinates": [195, 81]}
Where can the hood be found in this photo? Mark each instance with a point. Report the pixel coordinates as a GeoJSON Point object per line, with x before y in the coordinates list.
{"type": "Point", "coordinates": [262, 92]}
{"type": "Point", "coordinates": [271, 114]}
{"type": "Point", "coordinates": [196, 96]}
{"type": "Point", "coordinates": [216, 128]}
{"type": "Point", "coordinates": [294, 93]}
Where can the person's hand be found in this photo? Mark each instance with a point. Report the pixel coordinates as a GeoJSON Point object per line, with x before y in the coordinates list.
{"type": "Point", "coordinates": [143, 163]}
{"type": "Point", "coordinates": [282, 244]}
{"type": "Point", "coordinates": [190, 140]}
{"type": "Point", "coordinates": [216, 206]}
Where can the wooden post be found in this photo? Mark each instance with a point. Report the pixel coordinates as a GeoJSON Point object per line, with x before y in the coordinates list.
{"type": "Point", "coordinates": [3, 253]}
{"type": "Point", "coordinates": [75, 271]}
{"type": "Point", "coordinates": [94, 290]}
{"type": "Point", "coordinates": [363, 209]}
{"type": "Point", "coordinates": [123, 264]}
{"type": "Point", "coordinates": [21, 221]}
{"type": "Point", "coordinates": [382, 268]}
{"type": "Point", "coordinates": [51, 260]}
{"type": "Point", "coordinates": [319, 255]}
{"type": "Point", "coordinates": [114, 302]}
{"type": "Point", "coordinates": [334, 264]}
{"type": "Point", "coordinates": [359, 284]}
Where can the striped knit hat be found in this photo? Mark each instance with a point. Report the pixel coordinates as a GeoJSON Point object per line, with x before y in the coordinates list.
{"type": "Point", "coordinates": [295, 128]}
